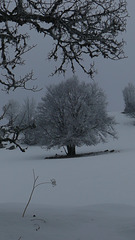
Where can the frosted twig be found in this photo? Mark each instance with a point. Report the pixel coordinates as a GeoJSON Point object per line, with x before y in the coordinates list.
{"type": "Point", "coordinates": [35, 185]}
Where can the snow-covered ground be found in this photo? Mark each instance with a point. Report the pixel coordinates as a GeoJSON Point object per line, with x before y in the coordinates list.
{"type": "Point", "coordinates": [94, 197]}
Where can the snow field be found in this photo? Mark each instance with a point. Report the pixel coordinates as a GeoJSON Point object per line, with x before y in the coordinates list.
{"type": "Point", "coordinates": [94, 197]}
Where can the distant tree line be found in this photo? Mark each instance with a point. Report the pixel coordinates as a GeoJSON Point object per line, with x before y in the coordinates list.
{"type": "Point", "coordinates": [129, 99]}
{"type": "Point", "coordinates": [71, 114]}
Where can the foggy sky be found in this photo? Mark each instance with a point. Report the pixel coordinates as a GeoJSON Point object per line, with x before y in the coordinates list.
{"type": "Point", "coordinates": [112, 76]}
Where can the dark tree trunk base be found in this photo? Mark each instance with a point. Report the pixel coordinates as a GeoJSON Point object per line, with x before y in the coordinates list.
{"type": "Point", "coordinates": [71, 150]}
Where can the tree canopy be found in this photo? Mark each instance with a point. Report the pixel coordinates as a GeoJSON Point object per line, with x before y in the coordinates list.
{"type": "Point", "coordinates": [73, 114]}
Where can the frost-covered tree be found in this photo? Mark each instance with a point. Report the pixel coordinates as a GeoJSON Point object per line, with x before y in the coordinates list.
{"type": "Point", "coordinates": [20, 124]}
{"type": "Point", "coordinates": [27, 118]}
{"type": "Point", "coordinates": [129, 99]}
{"type": "Point", "coordinates": [12, 109]}
{"type": "Point", "coordinates": [72, 114]}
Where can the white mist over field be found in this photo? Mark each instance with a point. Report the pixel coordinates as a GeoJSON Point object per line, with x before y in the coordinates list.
{"type": "Point", "coordinates": [94, 197]}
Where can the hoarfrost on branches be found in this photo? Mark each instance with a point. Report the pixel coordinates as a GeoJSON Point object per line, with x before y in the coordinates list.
{"type": "Point", "coordinates": [72, 114]}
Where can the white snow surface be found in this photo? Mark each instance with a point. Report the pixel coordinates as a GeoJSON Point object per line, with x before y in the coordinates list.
{"type": "Point", "coordinates": [94, 197]}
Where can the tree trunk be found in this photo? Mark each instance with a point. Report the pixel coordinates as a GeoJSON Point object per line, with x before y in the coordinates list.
{"type": "Point", "coordinates": [71, 150]}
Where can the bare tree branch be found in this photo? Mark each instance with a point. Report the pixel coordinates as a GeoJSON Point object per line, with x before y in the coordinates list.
{"type": "Point", "coordinates": [10, 133]}
{"type": "Point", "coordinates": [79, 28]}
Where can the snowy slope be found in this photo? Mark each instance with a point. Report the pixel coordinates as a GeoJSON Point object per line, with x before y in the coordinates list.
{"type": "Point", "coordinates": [94, 197]}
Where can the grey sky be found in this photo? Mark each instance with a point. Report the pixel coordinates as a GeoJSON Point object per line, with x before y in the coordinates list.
{"type": "Point", "coordinates": [112, 76]}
